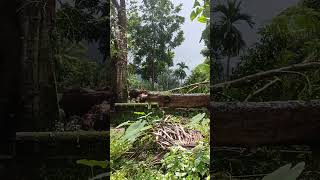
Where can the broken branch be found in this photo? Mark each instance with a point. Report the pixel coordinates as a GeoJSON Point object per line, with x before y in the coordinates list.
{"type": "Point", "coordinates": [265, 74]}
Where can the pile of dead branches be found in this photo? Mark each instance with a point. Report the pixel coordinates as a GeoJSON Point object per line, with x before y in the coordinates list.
{"type": "Point", "coordinates": [172, 134]}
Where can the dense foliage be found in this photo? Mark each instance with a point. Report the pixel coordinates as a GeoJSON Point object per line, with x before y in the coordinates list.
{"type": "Point", "coordinates": [292, 37]}
{"type": "Point", "coordinates": [84, 20]}
{"type": "Point", "coordinates": [135, 155]}
{"type": "Point", "coordinates": [74, 68]}
{"type": "Point", "coordinates": [154, 31]}
{"type": "Point", "coordinates": [78, 24]}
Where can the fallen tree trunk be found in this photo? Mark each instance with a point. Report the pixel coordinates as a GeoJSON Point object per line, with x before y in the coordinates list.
{"type": "Point", "coordinates": [75, 136]}
{"type": "Point", "coordinates": [265, 123]}
{"type": "Point", "coordinates": [179, 100]}
{"type": "Point", "coordinates": [79, 101]}
{"type": "Point", "coordinates": [62, 145]}
{"type": "Point", "coordinates": [264, 74]}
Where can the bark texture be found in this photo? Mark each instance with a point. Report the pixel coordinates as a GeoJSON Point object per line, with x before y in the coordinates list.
{"type": "Point", "coordinates": [120, 60]}
{"type": "Point", "coordinates": [265, 123]}
{"type": "Point", "coordinates": [170, 100]}
{"type": "Point", "coordinates": [40, 96]}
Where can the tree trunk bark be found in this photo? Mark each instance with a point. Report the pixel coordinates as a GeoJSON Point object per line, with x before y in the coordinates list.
{"type": "Point", "coordinates": [121, 60]}
{"type": "Point", "coordinates": [40, 96]}
{"type": "Point", "coordinates": [265, 123]}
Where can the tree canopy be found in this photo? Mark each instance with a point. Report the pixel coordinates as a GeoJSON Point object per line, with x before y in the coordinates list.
{"type": "Point", "coordinates": [154, 31]}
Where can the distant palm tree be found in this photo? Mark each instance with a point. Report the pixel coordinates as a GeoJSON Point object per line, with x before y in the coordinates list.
{"type": "Point", "coordinates": [230, 37]}
{"type": "Point", "coordinates": [180, 72]}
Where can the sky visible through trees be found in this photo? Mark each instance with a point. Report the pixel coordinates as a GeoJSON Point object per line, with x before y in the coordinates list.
{"type": "Point", "coordinates": [189, 50]}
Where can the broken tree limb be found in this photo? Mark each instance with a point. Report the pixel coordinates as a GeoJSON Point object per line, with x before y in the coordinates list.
{"type": "Point", "coordinates": [265, 74]}
{"type": "Point", "coordinates": [262, 89]}
{"type": "Point", "coordinates": [265, 123]}
{"type": "Point", "coordinates": [191, 85]}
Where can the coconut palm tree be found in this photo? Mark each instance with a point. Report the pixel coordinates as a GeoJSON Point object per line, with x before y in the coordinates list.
{"type": "Point", "coordinates": [180, 72]}
{"type": "Point", "coordinates": [227, 33]}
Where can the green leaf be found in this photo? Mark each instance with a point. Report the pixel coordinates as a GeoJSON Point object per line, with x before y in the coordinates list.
{"type": "Point", "coordinates": [99, 176]}
{"type": "Point", "coordinates": [193, 15]}
{"type": "Point", "coordinates": [196, 119]}
{"type": "Point", "coordinates": [139, 113]}
{"type": "Point", "coordinates": [145, 116]}
{"type": "Point", "coordinates": [124, 124]}
{"type": "Point", "coordinates": [202, 19]}
{"type": "Point", "coordinates": [134, 131]}
{"type": "Point", "coordinates": [196, 3]}
{"type": "Point", "coordinates": [92, 163]}
{"type": "Point", "coordinates": [285, 173]}
{"type": "Point", "coordinates": [179, 174]}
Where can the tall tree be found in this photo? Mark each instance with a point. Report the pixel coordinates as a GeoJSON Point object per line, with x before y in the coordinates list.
{"type": "Point", "coordinates": [84, 20]}
{"type": "Point", "coordinates": [120, 48]}
{"type": "Point", "coordinates": [167, 79]}
{"type": "Point", "coordinates": [180, 72]}
{"type": "Point", "coordinates": [155, 33]}
{"type": "Point", "coordinates": [226, 33]}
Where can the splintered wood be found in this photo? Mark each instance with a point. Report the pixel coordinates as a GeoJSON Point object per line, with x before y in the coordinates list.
{"type": "Point", "coordinates": [169, 100]}
{"type": "Point", "coordinates": [171, 134]}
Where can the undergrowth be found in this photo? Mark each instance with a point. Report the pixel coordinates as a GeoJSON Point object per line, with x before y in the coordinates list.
{"type": "Point", "coordinates": [135, 154]}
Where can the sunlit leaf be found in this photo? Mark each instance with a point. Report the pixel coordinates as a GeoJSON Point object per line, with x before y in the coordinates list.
{"type": "Point", "coordinates": [202, 19]}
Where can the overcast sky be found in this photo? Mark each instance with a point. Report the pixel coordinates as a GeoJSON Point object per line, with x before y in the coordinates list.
{"type": "Point", "coordinates": [189, 51]}
{"type": "Point", "coordinates": [262, 12]}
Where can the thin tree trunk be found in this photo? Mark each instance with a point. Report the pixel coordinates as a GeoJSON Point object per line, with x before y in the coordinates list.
{"type": "Point", "coordinates": [153, 73]}
{"type": "Point", "coordinates": [265, 74]}
{"type": "Point", "coordinates": [228, 67]}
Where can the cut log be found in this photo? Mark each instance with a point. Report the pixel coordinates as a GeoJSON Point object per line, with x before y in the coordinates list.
{"type": "Point", "coordinates": [79, 101]}
{"type": "Point", "coordinates": [265, 123]}
{"type": "Point", "coordinates": [179, 100]}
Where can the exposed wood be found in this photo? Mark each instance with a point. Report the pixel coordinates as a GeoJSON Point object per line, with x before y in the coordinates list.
{"type": "Point", "coordinates": [78, 101]}
{"type": "Point", "coordinates": [265, 74]}
{"type": "Point", "coordinates": [265, 123]}
{"type": "Point", "coordinates": [179, 100]}
{"type": "Point", "coordinates": [133, 105]}
{"type": "Point", "coordinates": [166, 99]}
